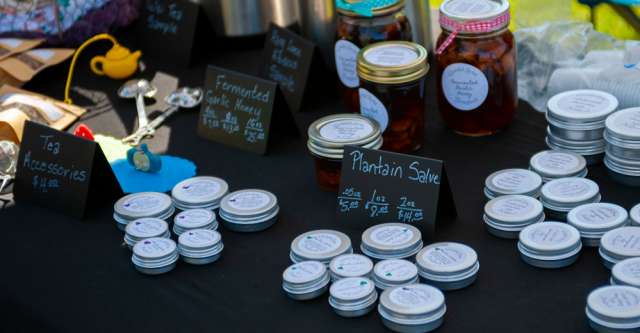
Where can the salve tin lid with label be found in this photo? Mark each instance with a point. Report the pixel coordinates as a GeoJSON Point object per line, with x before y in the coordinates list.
{"type": "Point", "coordinates": [304, 272]}
{"type": "Point", "coordinates": [624, 124]}
{"type": "Point", "coordinates": [322, 245]}
{"type": "Point", "coordinates": [199, 192]}
{"type": "Point", "coordinates": [154, 249]}
{"type": "Point", "coordinates": [446, 258]}
{"type": "Point", "coordinates": [328, 135]}
{"type": "Point", "coordinates": [582, 106]}
{"type": "Point", "coordinates": [194, 218]}
{"type": "Point", "coordinates": [144, 204]}
{"type": "Point", "coordinates": [627, 272]}
{"type": "Point", "coordinates": [392, 62]}
{"type": "Point", "coordinates": [551, 164]}
{"type": "Point", "coordinates": [570, 190]}
{"type": "Point", "coordinates": [597, 217]}
{"type": "Point", "coordinates": [513, 181]}
{"type": "Point", "coordinates": [395, 271]}
{"type": "Point", "coordinates": [621, 243]}
{"type": "Point", "coordinates": [615, 307]}
{"type": "Point", "coordinates": [350, 290]}
{"type": "Point", "coordinates": [391, 240]}
{"type": "Point", "coordinates": [413, 300]}
{"type": "Point", "coordinates": [147, 227]}
{"type": "Point", "coordinates": [634, 215]}
{"type": "Point", "coordinates": [549, 239]}
{"type": "Point", "coordinates": [514, 210]}
{"type": "Point", "coordinates": [199, 239]}
{"type": "Point", "coordinates": [248, 204]}
{"type": "Point", "coordinates": [350, 265]}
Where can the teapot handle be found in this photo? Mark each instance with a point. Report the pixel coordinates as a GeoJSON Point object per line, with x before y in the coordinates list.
{"type": "Point", "coordinates": [94, 65]}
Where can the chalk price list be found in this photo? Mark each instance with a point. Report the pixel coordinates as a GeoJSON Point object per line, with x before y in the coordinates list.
{"type": "Point", "coordinates": [376, 205]}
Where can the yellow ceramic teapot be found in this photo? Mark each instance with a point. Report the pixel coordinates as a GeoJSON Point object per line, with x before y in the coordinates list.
{"type": "Point", "coordinates": [118, 63]}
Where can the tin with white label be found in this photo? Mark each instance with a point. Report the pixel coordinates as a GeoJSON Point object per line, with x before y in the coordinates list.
{"type": "Point", "coordinates": [249, 210]}
{"type": "Point", "coordinates": [350, 265]}
{"type": "Point", "coordinates": [194, 219]}
{"type": "Point", "coordinates": [614, 309]}
{"type": "Point", "coordinates": [155, 256]}
{"type": "Point", "coordinates": [560, 196]}
{"type": "Point", "coordinates": [320, 245]}
{"type": "Point", "coordinates": [199, 192]}
{"type": "Point", "coordinates": [448, 265]}
{"type": "Point", "coordinates": [507, 215]}
{"type": "Point", "coordinates": [623, 146]}
{"type": "Point", "coordinates": [144, 228]}
{"type": "Point", "coordinates": [139, 205]}
{"type": "Point", "coordinates": [619, 244]}
{"type": "Point", "coordinates": [512, 181]}
{"type": "Point", "coordinates": [412, 309]}
{"type": "Point", "coordinates": [594, 220]}
{"type": "Point", "coordinates": [391, 241]}
{"type": "Point", "coordinates": [549, 245]}
{"type": "Point", "coordinates": [634, 215]}
{"type": "Point", "coordinates": [305, 280]}
{"type": "Point", "coordinates": [394, 272]}
{"type": "Point", "coordinates": [353, 297]}
{"type": "Point", "coordinates": [200, 246]}
{"type": "Point", "coordinates": [626, 272]}
{"type": "Point", "coordinates": [553, 164]}
{"type": "Point", "coordinates": [579, 115]}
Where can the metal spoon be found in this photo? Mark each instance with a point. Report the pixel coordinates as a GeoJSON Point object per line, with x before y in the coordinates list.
{"type": "Point", "coordinates": [138, 89]}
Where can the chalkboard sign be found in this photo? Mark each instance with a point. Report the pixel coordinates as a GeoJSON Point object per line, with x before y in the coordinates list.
{"type": "Point", "coordinates": [166, 29]}
{"type": "Point", "coordinates": [236, 109]}
{"type": "Point", "coordinates": [379, 187]}
{"type": "Point", "coordinates": [288, 58]}
{"type": "Point", "coordinates": [61, 171]}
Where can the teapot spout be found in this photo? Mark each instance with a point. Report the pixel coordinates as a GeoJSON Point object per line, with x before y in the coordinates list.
{"type": "Point", "coordinates": [136, 55]}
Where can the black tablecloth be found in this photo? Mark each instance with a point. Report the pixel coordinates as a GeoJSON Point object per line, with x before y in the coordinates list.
{"type": "Point", "coordinates": [65, 275]}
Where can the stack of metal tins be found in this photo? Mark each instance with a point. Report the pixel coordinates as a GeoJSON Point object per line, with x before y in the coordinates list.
{"type": "Point", "coordinates": [549, 245]}
{"type": "Point", "coordinates": [594, 220]}
{"type": "Point", "coordinates": [145, 228]}
{"type": "Point", "coordinates": [577, 120]}
{"type": "Point", "coordinates": [249, 210]}
{"type": "Point", "coordinates": [194, 219]}
{"type": "Point", "coordinates": [199, 192]}
{"type": "Point", "coordinates": [353, 297]}
{"type": "Point", "coordinates": [448, 266]}
{"type": "Point", "coordinates": [507, 215]}
{"type": "Point", "coordinates": [614, 309]}
{"type": "Point", "coordinates": [560, 196]}
{"type": "Point", "coordinates": [553, 164]}
{"type": "Point", "coordinates": [155, 256]}
{"type": "Point", "coordinates": [320, 245]}
{"type": "Point", "coordinates": [512, 181]}
{"type": "Point", "coordinates": [391, 241]}
{"type": "Point", "coordinates": [626, 272]}
{"type": "Point", "coordinates": [394, 272]}
{"type": "Point", "coordinates": [139, 205]}
{"type": "Point", "coordinates": [619, 244]}
{"type": "Point", "coordinates": [305, 280]}
{"type": "Point", "coordinates": [623, 146]}
{"type": "Point", "coordinates": [350, 265]}
{"type": "Point", "coordinates": [200, 246]}
{"type": "Point", "coordinates": [412, 308]}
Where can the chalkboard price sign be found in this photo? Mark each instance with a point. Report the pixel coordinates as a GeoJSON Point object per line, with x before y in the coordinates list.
{"type": "Point", "coordinates": [379, 187]}
{"type": "Point", "coordinates": [62, 172]}
{"type": "Point", "coordinates": [167, 29]}
{"type": "Point", "coordinates": [236, 109]}
{"type": "Point", "coordinates": [288, 59]}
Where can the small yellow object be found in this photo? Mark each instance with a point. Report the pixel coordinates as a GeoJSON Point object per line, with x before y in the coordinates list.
{"type": "Point", "coordinates": [119, 63]}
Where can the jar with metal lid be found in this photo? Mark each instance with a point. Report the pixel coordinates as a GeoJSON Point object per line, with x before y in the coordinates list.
{"type": "Point", "coordinates": [476, 66]}
{"type": "Point", "coordinates": [329, 135]}
{"type": "Point", "coordinates": [392, 92]}
{"type": "Point", "coordinates": [360, 23]}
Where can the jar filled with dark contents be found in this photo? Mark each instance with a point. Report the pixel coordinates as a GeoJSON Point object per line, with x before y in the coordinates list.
{"type": "Point", "coordinates": [476, 66]}
{"type": "Point", "coordinates": [392, 92]}
{"type": "Point", "coordinates": [327, 138]}
{"type": "Point", "coordinates": [360, 23]}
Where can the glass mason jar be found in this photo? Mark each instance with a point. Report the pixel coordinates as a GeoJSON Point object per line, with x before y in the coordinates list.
{"type": "Point", "coordinates": [476, 66]}
{"type": "Point", "coordinates": [327, 138]}
{"type": "Point", "coordinates": [392, 92]}
{"type": "Point", "coordinates": [360, 23]}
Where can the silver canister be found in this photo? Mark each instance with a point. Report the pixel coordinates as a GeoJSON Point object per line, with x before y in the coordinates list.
{"type": "Point", "coordinates": [622, 135]}
{"type": "Point", "coordinates": [318, 24]}
{"type": "Point", "coordinates": [239, 18]}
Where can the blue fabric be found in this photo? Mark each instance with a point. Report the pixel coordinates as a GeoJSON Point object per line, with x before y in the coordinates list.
{"type": "Point", "coordinates": [174, 170]}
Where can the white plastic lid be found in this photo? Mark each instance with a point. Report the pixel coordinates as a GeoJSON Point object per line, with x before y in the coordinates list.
{"type": "Point", "coordinates": [197, 190]}
{"type": "Point", "coordinates": [582, 105]}
{"type": "Point", "coordinates": [154, 248]}
{"type": "Point", "coordinates": [414, 299]}
{"type": "Point", "coordinates": [513, 181]}
{"type": "Point", "coordinates": [304, 272]}
{"type": "Point", "coordinates": [625, 123]}
{"type": "Point", "coordinates": [550, 237]}
{"type": "Point", "coordinates": [555, 164]}
{"type": "Point", "coordinates": [194, 218]}
{"type": "Point", "coordinates": [199, 238]}
{"type": "Point", "coordinates": [391, 236]}
{"type": "Point", "coordinates": [623, 242]}
{"type": "Point", "coordinates": [597, 216]}
{"type": "Point", "coordinates": [513, 208]}
{"type": "Point", "coordinates": [447, 257]}
{"type": "Point", "coordinates": [395, 270]}
{"type": "Point", "coordinates": [146, 227]}
{"type": "Point", "coordinates": [627, 271]}
{"type": "Point", "coordinates": [351, 265]}
{"type": "Point", "coordinates": [143, 204]}
{"type": "Point", "coordinates": [570, 190]}
{"type": "Point", "coordinates": [351, 289]}
{"type": "Point", "coordinates": [320, 244]}
{"type": "Point", "coordinates": [615, 302]}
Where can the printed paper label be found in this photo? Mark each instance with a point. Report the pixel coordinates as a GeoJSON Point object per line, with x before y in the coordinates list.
{"type": "Point", "coordinates": [199, 238]}
{"type": "Point", "coordinates": [143, 203]}
{"type": "Point", "coordinates": [411, 297]}
{"type": "Point", "coordinates": [146, 228]}
{"type": "Point", "coordinates": [249, 200]}
{"type": "Point", "coordinates": [200, 188]}
{"type": "Point", "coordinates": [445, 256]}
{"type": "Point", "coordinates": [352, 289]}
{"type": "Point", "coordinates": [392, 236]}
{"type": "Point", "coordinates": [513, 207]}
{"type": "Point", "coordinates": [396, 270]}
{"type": "Point", "coordinates": [631, 269]}
{"type": "Point", "coordinates": [464, 86]}
{"type": "Point", "coordinates": [597, 215]}
{"type": "Point", "coordinates": [155, 247]}
{"type": "Point", "coordinates": [515, 181]}
{"type": "Point", "coordinates": [372, 108]}
{"type": "Point", "coordinates": [570, 188]}
{"type": "Point", "coordinates": [391, 56]}
{"type": "Point", "coordinates": [304, 272]}
{"type": "Point", "coordinates": [583, 103]}
{"type": "Point", "coordinates": [471, 8]}
{"type": "Point", "coordinates": [320, 243]}
{"type": "Point", "coordinates": [352, 266]}
{"type": "Point", "coordinates": [548, 235]}
{"type": "Point", "coordinates": [194, 218]}
{"type": "Point", "coordinates": [558, 162]}
{"type": "Point", "coordinates": [346, 130]}
{"type": "Point", "coordinates": [346, 54]}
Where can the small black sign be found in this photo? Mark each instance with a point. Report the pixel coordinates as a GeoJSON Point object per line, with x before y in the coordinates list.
{"type": "Point", "coordinates": [167, 29]}
{"type": "Point", "coordinates": [236, 109]}
{"type": "Point", "coordinates": [62, 172]}
{"type": "Point", "coordinates": [379, 187]}
{"type": "Point", "coordinates": [287, 61]}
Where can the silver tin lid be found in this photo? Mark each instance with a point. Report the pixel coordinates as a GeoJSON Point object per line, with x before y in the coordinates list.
{"type": "Point", "coordinates": [513, 181]}
{"type": "Point", "coordinates": [248, 204]}
{"type": "Point", "coordinates": [199, 239]}
{"type": "Point", "coordinates": [616, 307]}
{"type": "Point", "coordinates": [621, 243]}
{"type": "Point", "coordinates": [570, 191]}
{"type": "Point", "coordinates": [550, 239]}
{"type": "Point", "coordinates": [597, 217]}
{"type": "Point", "coordinates": [352, 290]}
{"type": "Point", "coordinates": [143, 204]}
{"type": "Point", "coordinates": [464, 11]}
{"type": "Point", "coordinates": [627, 272]}
{"type": "Point", "coordinates": [446, 259]}
{"type": "Point", "coordinates": [395, 271]}
{"type": "Point", "coordinates": [199, 192]}
{"type": "Point", "coordinates": [305, 277]}
{"type": "Point", "coordinates": [515, 210]}
{"type": "Point", "coordinates": [154, 249]}
{"type": "Point", "coordinates": [351, 265]}
{"type": "Point", "coordinates": [419, 302]}
{"type": "Point", "coordinates": [551, 164]}
{"type": "Point", "coordinates": [329, 135]}
{"type": "Point", "coordinates": [194, 218]}
{"type": "Point", "coordinates": [582, 106]}
{"type": "Point", "coordinates": [391, 240]}
{"type": "Point", "coordinates": [146, 228]}
{"type": "Point", "coordinates": [321, 245]}
{"type": "Point", "coordinates": [625, 124]}
{"type": "Point", "coordinates": [634, 214]}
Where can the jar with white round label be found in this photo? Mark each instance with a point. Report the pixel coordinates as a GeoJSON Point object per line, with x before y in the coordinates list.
{"type": "Point", "coordinates": [392, 92]}
{"type": "Point", "coordinates": [360, 23]}
{"type": "Point", "coordinates": [476, 66]}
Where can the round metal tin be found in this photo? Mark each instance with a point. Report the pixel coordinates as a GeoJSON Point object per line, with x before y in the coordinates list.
{"type": "Point", "coordinates": [507, 215]}
{"type": "Point", "coordinates": [448, 265]}
{"type": "Point", "coordinates": [199, 192]}
{"type": "Point", "coordinates": [353, 297]}
{"type": "Point", "coordinates": [391, 241]}
{"type": "Point", "coordinates": [249, 210]}
{"type": "Point", "coordinates": [329, 135]}
{"type": "Point", "coordinates": [549, 244]}
{"type": "Point", "coordinates": [563, 194]}
{"type": "Point", "coordinates": [593, 220]}
{"type": "Point", "coordinates": [512, 181]}
{"type": "Point", "coordinates": [614, 309]}
{"type": "Point", "coordinates": [552, 164]}
{"type": "Point", "coordinates": [619, 244]}
{"type": "Point", "coordinates": [627, 272]}
{"type": "Point", "coordinates": [582, 106]}
{"type": "Point", "coordinates": [155, 255]}
{"type": "Point", "coordinates": [145, 228]}
{"type": "Point", "coordinates": [394, 272]}
{"type": "Point", "coordinates": [305, 280]}
{"type": "Point", "coordinates": [144, 204]}
{"type": "Point", "coordinates": [194, 219]}
{"type": "Point", "coordinates": [321, 245]}
{"type": "Point", "coordinates": [350, 265]}
{"type": "Point", "coordinates": [634, 215]}
{"type": "Point", "coordinates": [412, 308]}
{"type": "Point", "coordinates": [624, 125]}
{"type": "Point", "coordinates": [200, 246]}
